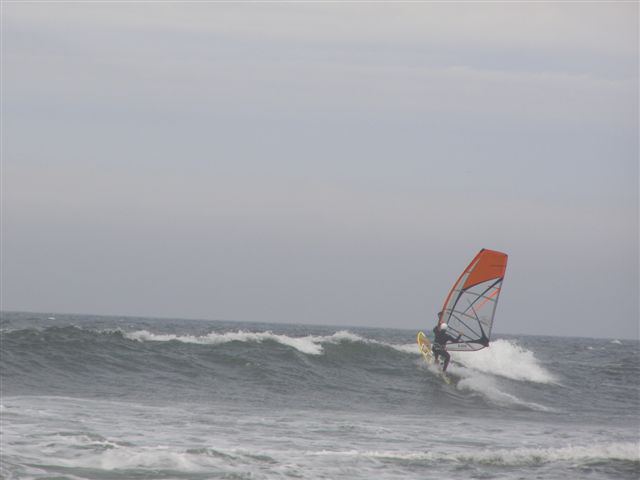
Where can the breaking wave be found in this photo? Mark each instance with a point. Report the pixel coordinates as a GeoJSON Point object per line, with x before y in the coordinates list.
{"type": "Point", "coordinates": [310, 344]}
{"type": "Point", "coordinates": [66, 357]}
{"type": "Point", "coordinates": [624, 451]}
{"type": "Point", "coordinates": [488, 388]}
{"type": "Point", "coordinates": [505, 358]}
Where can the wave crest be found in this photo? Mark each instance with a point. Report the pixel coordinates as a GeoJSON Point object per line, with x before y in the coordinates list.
{"type": "Point", "coordinates": [310, 344]}
{"type": "Point", "coordinates": [625, 451]}
{"type": "Point", "coordinates": [505, 358]}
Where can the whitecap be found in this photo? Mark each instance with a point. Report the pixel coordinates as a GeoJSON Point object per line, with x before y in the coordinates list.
{"type": "Point", "coordinates": [487, 387]}
{"type": "Point", "coordinates": [308, 345]}
{"type": "Point", "coordinates": [507, 359]}
{"type": "Point", "coordinates": [406, 348]}
{"type": "Point", "coordinates": [507, 457]}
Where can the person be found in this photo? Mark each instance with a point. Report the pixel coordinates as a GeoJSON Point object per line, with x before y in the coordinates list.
{"type": "Point", "coordinates": [440, 342]}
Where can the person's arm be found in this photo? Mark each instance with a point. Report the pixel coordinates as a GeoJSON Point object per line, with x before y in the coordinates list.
{"type": "Point", "coordinates": [454, 340]}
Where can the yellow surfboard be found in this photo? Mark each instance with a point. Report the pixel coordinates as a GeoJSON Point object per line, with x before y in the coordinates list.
{"type": "Point", "coordinates": [425, 349]}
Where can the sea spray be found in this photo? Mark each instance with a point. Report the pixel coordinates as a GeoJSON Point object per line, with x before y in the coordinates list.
{"type": "Point", "coordinates": [507, 359]}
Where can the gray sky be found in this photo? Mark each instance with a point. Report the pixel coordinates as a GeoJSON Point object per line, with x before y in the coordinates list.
{"type": "Point", "coordinates": [321, 163]}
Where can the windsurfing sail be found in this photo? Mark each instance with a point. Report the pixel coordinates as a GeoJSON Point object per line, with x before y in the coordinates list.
{"type": "Point", "coordinates": [471, 304]}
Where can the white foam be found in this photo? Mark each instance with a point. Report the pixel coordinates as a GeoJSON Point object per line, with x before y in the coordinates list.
{"type": "Point", "coordinates": [406, 348]}
{"type": "Point", "coordinates": [507, 359]}
{"type": "Point", "coordinates": [524, 456]}
{"type": "Point", "coordinates": [487, 387]}
{"type": "Point", "coordinates": [341, 336]}
{"type": "Point", "coordinates": [310, 344]}
{"type": "Point", "coordinates": [616, 342]}
{"type": "Point", "coordinates": [160, 457]}
{"type": "Point", "coordinates": [509, 457]}
{"type": "Point", "coordinates": [306, 345]}
{"type": "Point", "coordinates": [346, 336]}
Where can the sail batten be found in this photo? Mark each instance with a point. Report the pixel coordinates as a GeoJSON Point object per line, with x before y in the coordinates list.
{"type": "Point", "coordinates": [470, 305]}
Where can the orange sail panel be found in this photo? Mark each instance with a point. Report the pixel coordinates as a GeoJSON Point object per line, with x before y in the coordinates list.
{"type": "Point", "coordinates": [489, 264]}
{"type": "Point", "coordinates": [470, 306]}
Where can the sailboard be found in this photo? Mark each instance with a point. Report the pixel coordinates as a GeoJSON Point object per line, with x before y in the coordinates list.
{"type": "Point", "coordinates": [470, 306]}
{"type": "Point", "coordinates": [425, 347]}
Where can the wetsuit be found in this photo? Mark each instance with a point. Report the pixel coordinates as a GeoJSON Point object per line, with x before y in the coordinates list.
{"type": "Point", "coordinates": [439, 342]}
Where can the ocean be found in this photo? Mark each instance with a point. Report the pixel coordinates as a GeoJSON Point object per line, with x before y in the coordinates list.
{"type": "Point", "coordinates": [94, 397]}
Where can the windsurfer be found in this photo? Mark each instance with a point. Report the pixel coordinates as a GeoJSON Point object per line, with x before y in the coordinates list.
{"type": "Point", "coordinates": [440, 341]}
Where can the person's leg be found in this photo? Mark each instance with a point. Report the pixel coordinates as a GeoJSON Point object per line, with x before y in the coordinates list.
{"type": "Point", "coordinates": [447, 357]}
{"type": "Point", "coordinates": [437, 353]}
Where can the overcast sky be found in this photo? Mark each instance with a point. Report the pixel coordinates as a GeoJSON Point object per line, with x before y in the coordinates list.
{"type": "Point", "coordinates": [321, 163]}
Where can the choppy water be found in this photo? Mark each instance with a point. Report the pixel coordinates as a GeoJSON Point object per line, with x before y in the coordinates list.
{"type": "Point", "coordinates": [110, 398]}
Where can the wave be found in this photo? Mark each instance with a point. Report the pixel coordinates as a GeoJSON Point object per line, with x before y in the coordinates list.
{"type": "Point", "coordinates": [342, 360]}
{"type": "Point", "coordinates": [115, 455]}
{"type": "Point", "coordinates": [487, 387]}
{"type": "Point", "coordinates": [310, 344]}
{"type": "Point", "coordinates": [505, 358]}
{"type": "Point", "coordinates": [479, 371]}
{"type": "Point", "coordinates": [625, 451]}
